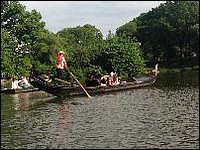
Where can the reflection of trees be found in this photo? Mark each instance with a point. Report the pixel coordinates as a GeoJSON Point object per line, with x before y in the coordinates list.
{"type": "Point", "coordinates": [178, 79]}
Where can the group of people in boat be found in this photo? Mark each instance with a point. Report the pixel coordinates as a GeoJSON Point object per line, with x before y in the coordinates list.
{"type": "Point", "coordinates": [105, 80]}
{"type": "Point", "coordinates": [61, 64]}
{"type": "Point", "coordinates": [109, 80]}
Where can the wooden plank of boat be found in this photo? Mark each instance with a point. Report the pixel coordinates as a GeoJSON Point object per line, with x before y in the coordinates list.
{"type": "Point", "coordinates": [13, 91]}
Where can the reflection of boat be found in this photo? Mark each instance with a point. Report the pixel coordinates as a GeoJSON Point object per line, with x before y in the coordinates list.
{"type": "Point", "coordinates": [21, 101]}
{"type": "Point", "coordinates": [66, 90]}
{"type": "Point", "coordinates": [29, 100]}
{"type": "Point", "coordinates": [13, 91]}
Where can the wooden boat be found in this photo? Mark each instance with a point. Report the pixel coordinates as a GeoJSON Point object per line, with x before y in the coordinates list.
{"type": "Point", "coordinates": [14, 91]}
{"type": "Point", "coordinates": [68, 91]}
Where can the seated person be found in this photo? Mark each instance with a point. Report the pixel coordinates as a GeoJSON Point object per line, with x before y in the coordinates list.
{"type": "Point", "coordinates": [109, 81]}
{"type": "Point", "coordinates": [24, 82]}
{"type": "Point", "coordinates": [15, 84]}
{"type": "Point", "coordinates": [93, 81]}
{"type": "Point", "coordinates": [103, 80]}
{"type": "Point", "coordinates": [115, 79]}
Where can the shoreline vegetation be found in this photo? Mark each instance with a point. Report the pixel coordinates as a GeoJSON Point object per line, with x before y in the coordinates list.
{"type": "Point", "coordinates": [172, 41]}
{"type": "Point", "coordinates": [6, 83]}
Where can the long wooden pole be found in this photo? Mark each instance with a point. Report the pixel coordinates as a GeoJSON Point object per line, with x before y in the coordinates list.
{"type": "Point", "coordinates": [79, 83]}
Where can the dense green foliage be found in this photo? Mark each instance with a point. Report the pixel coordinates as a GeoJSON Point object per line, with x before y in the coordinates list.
{"type": "Point", "coordinates": [8, 44]}
{"type": "Point", "coordinates": [44, 52]}
{"type": "Point", "coordinates": [122, 56]}
{"type": "Point", "coordinates": [168, 34]}
{"type": "Point", "coordinates": [82, 44]}
{"type": "Point", "coordinates": [164, 34]}
{"type": "Point", "coordinates": [22, 28]}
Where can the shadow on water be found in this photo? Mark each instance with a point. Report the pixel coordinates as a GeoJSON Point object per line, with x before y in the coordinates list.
{"type": "Point", "coordinates": [178, 80]}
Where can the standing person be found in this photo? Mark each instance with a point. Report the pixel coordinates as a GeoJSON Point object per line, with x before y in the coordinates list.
{"type": "Point", "coordinates": [61, 64]}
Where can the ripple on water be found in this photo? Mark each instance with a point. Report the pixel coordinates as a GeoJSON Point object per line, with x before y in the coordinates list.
{"type": "Point", "coordinates": [151, 117]}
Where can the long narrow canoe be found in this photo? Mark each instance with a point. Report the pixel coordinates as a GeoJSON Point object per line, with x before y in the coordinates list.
{"type": "Point", "coordinates": [68, 91]}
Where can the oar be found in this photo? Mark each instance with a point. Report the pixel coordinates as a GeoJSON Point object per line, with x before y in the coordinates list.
{"type": "Point", "coordinates": [79, 83]}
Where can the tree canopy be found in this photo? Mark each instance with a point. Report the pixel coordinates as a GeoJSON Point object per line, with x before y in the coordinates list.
{"type": "Point", "coordinates": [167, 34]}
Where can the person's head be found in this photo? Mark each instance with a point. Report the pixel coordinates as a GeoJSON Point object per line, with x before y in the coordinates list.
{"type": "Point", "coordinates": [60, 53]}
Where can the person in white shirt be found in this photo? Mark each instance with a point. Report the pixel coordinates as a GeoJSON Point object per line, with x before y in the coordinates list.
{"type": "Point", "coordinates": [24, 82]}
{"type": "Point", "coordinates": [15, 84]}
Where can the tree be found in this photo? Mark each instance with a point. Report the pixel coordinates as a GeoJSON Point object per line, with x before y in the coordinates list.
{"type": "Point", "coordinates": [45, 51]}
{"type": "Point", "coordinates": [128, 30]}
{"type": "Point", "coordinates": [8, 45]}
{"type": "Point", "coordinates": [83, 44]}
{"type": "Point", "coordinates": [122, 56]}
{"type": "Point", "coordinates": [24, 28]}
{"type": "Point", "coordinates": [167, 33]}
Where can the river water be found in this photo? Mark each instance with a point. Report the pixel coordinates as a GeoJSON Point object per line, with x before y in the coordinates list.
{"type": "Point", "coordinates": [164, 115]}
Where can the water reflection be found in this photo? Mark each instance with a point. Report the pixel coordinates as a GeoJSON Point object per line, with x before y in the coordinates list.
{"type": "Point", "coordinates": [26, 101]}
{"type": "Point", "coordinates": [179, 80]}
{"type": "Point", "coordinates": [21, 101]}
{"type": "Point", "coordinates": [63, 125]}
{"type": "Point", "coordinates": [165, 115]}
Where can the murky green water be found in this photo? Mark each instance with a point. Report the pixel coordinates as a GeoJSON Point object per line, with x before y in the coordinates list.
{"type": "Point", "coordinates": [165, 115]}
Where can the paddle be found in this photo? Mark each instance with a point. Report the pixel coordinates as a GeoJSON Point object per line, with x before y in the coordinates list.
{"type": "Point", "coordinates": [78, 83]}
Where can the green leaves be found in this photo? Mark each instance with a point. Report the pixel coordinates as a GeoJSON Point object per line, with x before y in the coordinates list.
{"type": "Point", "coordinates": [8, 45]}
{"type": "Point", "coordinates": [166, 32]}
{"type": "Point", "coordinates": [122, 56]}
{"type": "Point", "coordinates": [20, 31]}
{"type": "Point", "coordinates": [83, 43]}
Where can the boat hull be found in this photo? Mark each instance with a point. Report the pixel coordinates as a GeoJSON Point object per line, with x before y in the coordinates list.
{"type": "Point", "coordinates": [68, 91]}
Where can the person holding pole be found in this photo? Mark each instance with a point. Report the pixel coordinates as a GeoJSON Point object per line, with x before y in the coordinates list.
{"type": "Point", "coordinates": [61, 64]}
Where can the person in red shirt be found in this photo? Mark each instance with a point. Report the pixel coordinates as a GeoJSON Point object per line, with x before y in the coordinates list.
{"type": "Point", "coordinates": [61, 64]}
